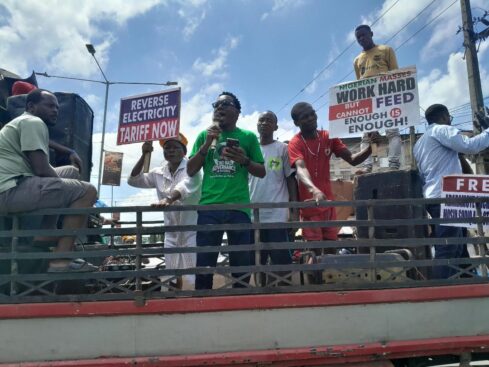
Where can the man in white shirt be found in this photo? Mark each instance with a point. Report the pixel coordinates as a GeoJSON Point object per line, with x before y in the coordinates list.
{"type": "Point", "coordinates": [437, 155]}
{"type": "Point", "coordinates": [278, 185]}
{"type": "Point", "coordinates": [173, 187]}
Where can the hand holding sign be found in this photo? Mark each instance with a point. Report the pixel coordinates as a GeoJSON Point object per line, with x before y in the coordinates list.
{"type": "Point", "coordinates": [374, 141]}
{"type": "Point", "coordinates": [147, 148]}
{"type": "Point", "coordinates": [374, 137]}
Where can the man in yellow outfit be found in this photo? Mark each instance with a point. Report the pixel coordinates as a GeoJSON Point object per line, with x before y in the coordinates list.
{"type": "Point", "coordinates": [372, 61]}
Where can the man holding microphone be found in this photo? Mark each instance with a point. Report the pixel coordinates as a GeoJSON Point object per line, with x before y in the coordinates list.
{"type": "Point", "coordinates": [227, 155]}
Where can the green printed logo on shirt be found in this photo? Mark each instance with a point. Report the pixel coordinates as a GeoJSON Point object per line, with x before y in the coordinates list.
{"type": "Point", "coordinates": [223, 168]}
{"type": "Point", "coordinates": [274, 163]}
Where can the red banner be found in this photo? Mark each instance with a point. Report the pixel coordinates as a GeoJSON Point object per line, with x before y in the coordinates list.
{"type": "Point", "coordinates": [351, 109]}
{"type": "Point", "coordinates": [467, 184]}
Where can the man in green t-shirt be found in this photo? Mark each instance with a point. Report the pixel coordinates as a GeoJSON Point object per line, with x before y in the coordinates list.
{"type": "Point", "coordinates": [227, 154]}
{"type": "Point", "coordinates": [28, 182]}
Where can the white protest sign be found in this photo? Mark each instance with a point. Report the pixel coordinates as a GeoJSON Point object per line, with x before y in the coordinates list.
{"type": "Point", "coordinates": [463, 186]}
{"type": "Point", "coordinates": [377, 103]}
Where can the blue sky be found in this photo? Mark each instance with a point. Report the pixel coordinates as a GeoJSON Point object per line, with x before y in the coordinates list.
{"type": "Point", "coordinates": [264, 51]}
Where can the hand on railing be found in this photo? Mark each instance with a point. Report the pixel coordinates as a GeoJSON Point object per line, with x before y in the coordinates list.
{"type": "Point", "coordinates": [317, 196]}
{"type": "Point", "coordinates": [162, 203]}
{"type": "Point", "coordinates": [293, 217]}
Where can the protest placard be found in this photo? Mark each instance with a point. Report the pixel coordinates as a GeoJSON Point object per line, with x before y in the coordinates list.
{"type": "Point", "coordinates": [150, 116]}
{"type": "Point", "coordinates": [372, 104]}
{"type": "Point", "coordinates": [464, 186]}
{"type": "Point", "coordinates": [112, 169]}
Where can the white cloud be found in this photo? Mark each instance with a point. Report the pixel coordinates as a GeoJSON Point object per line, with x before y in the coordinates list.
{"type": "Point", "coordinates": [197, 110]}
{"type": "Point", "coordinates": [249, 121]}
{"type": "Point", "coordinates": [92, 99]}
{"type": "Point", "coordinates": [211, 68]}
{"type": "Point", "coordinates": [192, 21]}
{"type": "Point", "coordinates": [397, 16]}
{"type": "Point", "coordinates": [450, 88]}
{"type": "Point", "coordinates": [59, 45]}
{"type": "Point", "coordinates": [442, 28]}
{"type": "Point", "coordinates": [281, 6]}
{"type": "Point", "coordinates": [312, 88]}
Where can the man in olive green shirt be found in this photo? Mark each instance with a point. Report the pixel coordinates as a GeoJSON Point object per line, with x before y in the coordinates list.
{"type": "Point", "coordinates": [27, 180]}
{"type": "Point", "coordinates": [226, 164]}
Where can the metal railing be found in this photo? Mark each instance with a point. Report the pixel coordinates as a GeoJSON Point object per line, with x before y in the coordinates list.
{"type": "Point", "coordinates": [374, 263]}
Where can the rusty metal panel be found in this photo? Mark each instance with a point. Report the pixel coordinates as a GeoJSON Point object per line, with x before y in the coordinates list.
{"type": "Point", "coordinates": [218, 332]}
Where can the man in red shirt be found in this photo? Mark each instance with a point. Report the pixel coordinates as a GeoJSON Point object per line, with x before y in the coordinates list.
{"type": "Point", "coordinates": [310, 151]}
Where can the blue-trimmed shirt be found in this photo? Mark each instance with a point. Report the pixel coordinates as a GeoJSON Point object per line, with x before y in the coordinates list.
{"type": "Point", "coordinates": [436, 154]}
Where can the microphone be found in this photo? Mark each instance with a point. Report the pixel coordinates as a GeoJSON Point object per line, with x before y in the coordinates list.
{"type": "Point", "coordinates": [214, 141]}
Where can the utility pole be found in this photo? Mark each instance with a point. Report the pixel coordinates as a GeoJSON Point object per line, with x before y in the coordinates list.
{"type": "Point", "coordinates": [475, 89]}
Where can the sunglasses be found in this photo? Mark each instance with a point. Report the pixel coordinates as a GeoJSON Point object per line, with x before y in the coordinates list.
{"type": "Point", "coordinates": [224, 104]}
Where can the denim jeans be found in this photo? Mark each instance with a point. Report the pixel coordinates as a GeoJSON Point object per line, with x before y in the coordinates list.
{"type": "Point", "coordinates": [214, 238]}
{"type": "Point", "coordinates": [277, 257]}
{"type": "Point", "coordinates": [445, 251]}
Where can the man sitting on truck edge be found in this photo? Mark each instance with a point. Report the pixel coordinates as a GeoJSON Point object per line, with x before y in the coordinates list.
{"type": "Point", "coordinates": [228, 155]}
{"type": "Point", "coordinates": [28, 182]}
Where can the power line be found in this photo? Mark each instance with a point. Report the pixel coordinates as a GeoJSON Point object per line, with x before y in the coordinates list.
{"type": "Point", "coordinates": [392, 37]}
{"type": "Point", "coordinates": [411, 37]}
{"type": "Point", "coordinates": [408, 23]}
{"type": "Point", "coordinates": [387, 41]}
{"type": "Point", "coordinates": [427, 24]}
{"type": "Point", "coordinates": [333, 61]}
